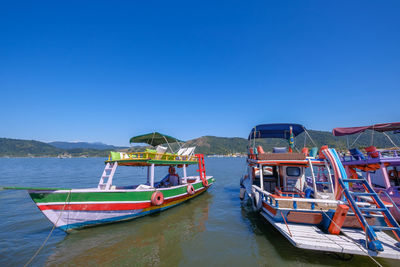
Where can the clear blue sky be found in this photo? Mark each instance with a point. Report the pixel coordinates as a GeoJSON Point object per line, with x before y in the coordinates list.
{"type": "Point", "coordinates": [108, 70]}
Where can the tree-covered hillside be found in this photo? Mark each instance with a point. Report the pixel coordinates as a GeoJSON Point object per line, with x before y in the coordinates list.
{"type": "Point", "coordinates": [83, 145]}
{"type": "Point", "coordinates": [224, 145]}
{"type": "Point", "coordinates": [23, 148]}
{"type": "Point", "coordinates": [27, 148]}
{"type": "Point", "coordinates": [205, 145]}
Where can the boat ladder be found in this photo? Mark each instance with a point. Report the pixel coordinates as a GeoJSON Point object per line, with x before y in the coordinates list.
{"type": "Point", "coordinates": [107, 176]}
{"type": "Point", "coordinates": [202, 168]}
{"type": "Point", "coordinates": [372, 241]}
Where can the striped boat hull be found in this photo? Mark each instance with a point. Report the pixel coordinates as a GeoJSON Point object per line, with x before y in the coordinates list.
{"type": "Point", "coordinates": [77, 208]}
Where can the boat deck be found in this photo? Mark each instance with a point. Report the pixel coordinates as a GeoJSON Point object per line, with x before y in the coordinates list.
{"type": "Point", "coordinates": [311, 237]}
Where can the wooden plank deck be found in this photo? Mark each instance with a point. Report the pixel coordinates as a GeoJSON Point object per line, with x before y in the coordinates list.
{"type": "Point", "coordinates": [311, 237]}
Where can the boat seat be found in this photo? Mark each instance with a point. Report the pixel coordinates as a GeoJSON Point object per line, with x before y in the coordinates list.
{"type": "Point", "coordinates": [142, 186]}
{"type": "Point", "coordinates": [282, 156]}
{"type": "Point", "coordinates": [279, 150]}
{"type": "Point", "coordinates": [313, 152]}
{"type": "Point", "coordinates": [160, 150]}
{"type": "Point", "coordinates": [357, 154]}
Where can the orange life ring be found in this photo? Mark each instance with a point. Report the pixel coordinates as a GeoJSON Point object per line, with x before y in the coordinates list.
{"type": "Point", "coordinates": [205, 183]}
{"type": "Point", "coordinates": [190, 189]}
{"type": "Point", "coordinates": [157, 198]}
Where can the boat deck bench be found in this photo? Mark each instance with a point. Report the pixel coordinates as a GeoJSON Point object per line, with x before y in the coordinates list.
{"type": "Point", "coordinates": [281, 156]}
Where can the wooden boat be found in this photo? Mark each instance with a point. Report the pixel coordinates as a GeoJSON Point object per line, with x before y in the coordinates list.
{"type": "Point", "coordinates": [381, 167]}
{"type": "Point", "coordinates": [70, 209]}
{"type": "Point", "coordinates": [306, 196]}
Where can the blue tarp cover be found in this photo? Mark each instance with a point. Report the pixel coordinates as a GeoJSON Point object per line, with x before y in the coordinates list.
{"type": "Point", "coordinates": [276, 130]}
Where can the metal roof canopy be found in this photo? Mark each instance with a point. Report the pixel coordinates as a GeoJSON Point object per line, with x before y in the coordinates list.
{"type": "Point", "coordinates": [275, 130]}
{"type": "Point", "coordinates": [154, 139]}
{"type": "Point", "coordinates": [382, 127]}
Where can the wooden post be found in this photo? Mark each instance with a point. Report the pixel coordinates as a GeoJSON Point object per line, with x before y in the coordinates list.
{"type": "Point", "coordinates": [152, 175]}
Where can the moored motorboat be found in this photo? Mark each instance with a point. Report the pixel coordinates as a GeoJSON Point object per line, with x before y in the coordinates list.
{"type": "Point", "coordinates": [70, 209]}
{"type": "Point", "coordinates": [306, 197]}
{"type": "Point", "coordinates": [380, 167]}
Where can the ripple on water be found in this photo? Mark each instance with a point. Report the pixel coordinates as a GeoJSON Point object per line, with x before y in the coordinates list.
{"type": "Point", "coordinates": [214, 229]}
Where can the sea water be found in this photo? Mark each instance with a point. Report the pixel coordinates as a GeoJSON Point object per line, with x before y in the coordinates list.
{"type": "Point", "coordinates": [213, 229]}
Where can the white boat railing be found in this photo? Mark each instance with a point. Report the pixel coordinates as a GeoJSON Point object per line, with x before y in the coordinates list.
{"type": "Point", "coordinates": [269, 197]}
{"type": "Point", "coordinates": [391, 200]}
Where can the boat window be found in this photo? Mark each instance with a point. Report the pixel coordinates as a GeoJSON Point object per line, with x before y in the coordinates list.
{"type": "Point", "coordinates": [293, 171]}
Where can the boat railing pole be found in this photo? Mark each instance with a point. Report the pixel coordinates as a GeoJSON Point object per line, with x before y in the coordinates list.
{"type": "Point", "coordinates": [184, 171]}
{"type": "Point", "coordinates": [391, 200]}
{"type": "Point", "coordinates": [152, 175]}
{"type": "Point", "coordinates": [261, 177]}
{"type": "Point", "coordinates": [148, 175]}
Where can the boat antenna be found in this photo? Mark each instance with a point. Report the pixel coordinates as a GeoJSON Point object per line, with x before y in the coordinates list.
{"type": "Point", "coordinates": [372, 135]}
{"type": "Point", "coordinates": [152, 138]}
{"type": "Point", "coordinates": [254, 138]}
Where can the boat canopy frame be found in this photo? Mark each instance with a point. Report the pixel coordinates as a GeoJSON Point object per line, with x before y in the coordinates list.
{"type": "Point", "coordinates": [278, 130]}
{"type": "Point", "coordinates": [381, 127]}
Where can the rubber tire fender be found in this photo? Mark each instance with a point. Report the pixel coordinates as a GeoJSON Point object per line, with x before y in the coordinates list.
{"type": "Point", "coordinates": [190, 189]}
{"type": "Point", "coordinates": [242, 193]}
{"type": "Point", "coordinates": [157, 198]}
{"type": "Point", "coordinates": [256, 201]}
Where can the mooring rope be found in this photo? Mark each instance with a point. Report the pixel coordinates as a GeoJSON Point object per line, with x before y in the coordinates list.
{"type": "Point", "coordinates": [52, 229]}
{"type": "Point", "coordinates": [351, 239]}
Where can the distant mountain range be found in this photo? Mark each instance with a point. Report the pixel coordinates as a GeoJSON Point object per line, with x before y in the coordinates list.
{"type": "Point", "coordinates": [31, 148]}
{"type": "Point", "coordinates": [76, 145]}
{"type": "Point", "coordinates": [205, 145]}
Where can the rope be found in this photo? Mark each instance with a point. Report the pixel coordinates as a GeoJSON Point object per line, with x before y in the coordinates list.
{"type": "Point", "coordinates": [310, 137]}
{"type": "Point", "coordinates": [48, 236]}
{"type": "Point", "coordinates": [390, 140]}
{"type": "Point", "coordinates": [168, 144]}
{"type": "Point", "coordinates": [356, 139]}
{"type": "Point", "coordinates": [286, 224]}
{"type": "Point", "coordinates": [351, 239]}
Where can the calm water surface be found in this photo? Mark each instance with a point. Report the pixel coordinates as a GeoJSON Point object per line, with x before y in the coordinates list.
{"type": "Point", "coordinates": [213, 229]}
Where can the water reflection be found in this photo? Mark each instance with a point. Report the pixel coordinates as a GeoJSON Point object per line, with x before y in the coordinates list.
{"type": "Point", "coordinates": [274, 249]}
{"type": "Point", "coordinates": [157, 239]}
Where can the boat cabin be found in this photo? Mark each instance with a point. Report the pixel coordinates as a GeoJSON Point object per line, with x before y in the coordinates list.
{"type": "Point", "coordinates": [381, 167]}
{"type": "Point", "coordinates": [287, 173]}
{"type": "Point", "coordinates": [151, 158]}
